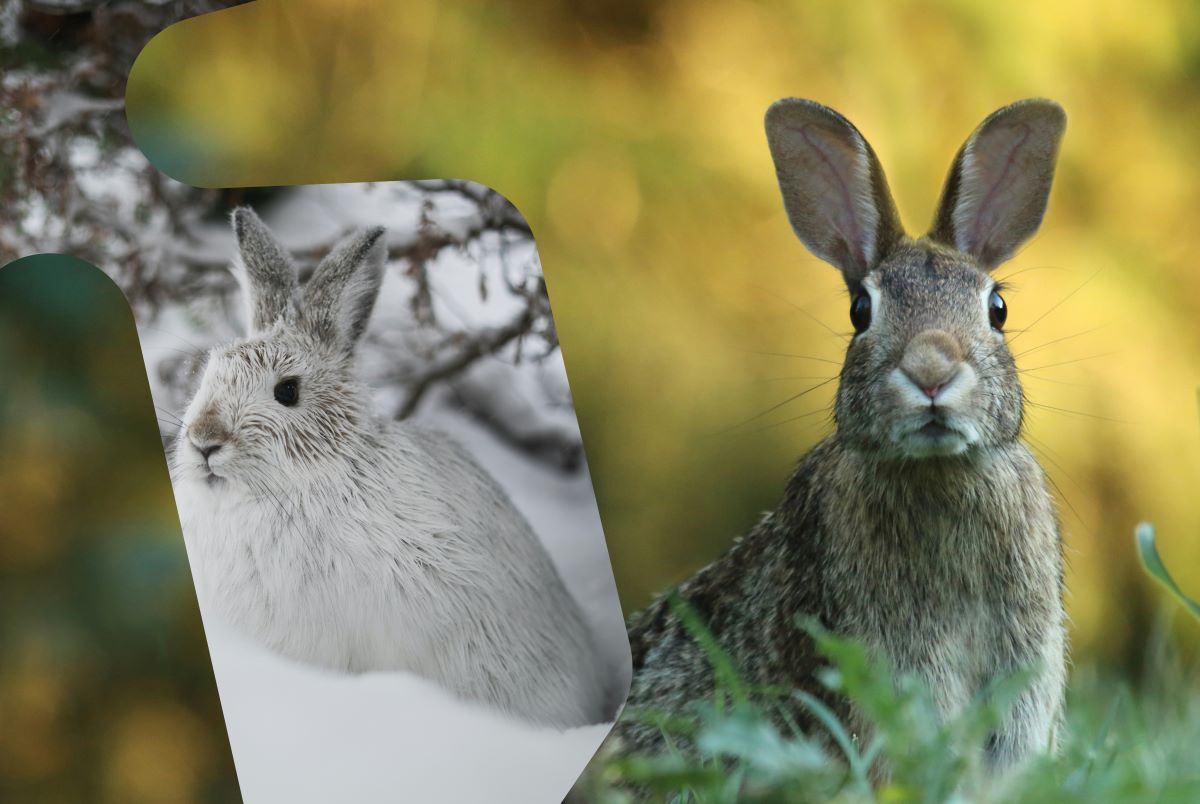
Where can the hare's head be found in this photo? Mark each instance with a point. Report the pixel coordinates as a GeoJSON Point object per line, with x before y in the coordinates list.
{"type": "Point", "coordinates": [928, 372]}
{"type": "Point", "coordinates": [284, 398]}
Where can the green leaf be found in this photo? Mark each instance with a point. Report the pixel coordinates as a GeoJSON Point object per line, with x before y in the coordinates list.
{"type": "Point", "coordinates": [1154, 565]}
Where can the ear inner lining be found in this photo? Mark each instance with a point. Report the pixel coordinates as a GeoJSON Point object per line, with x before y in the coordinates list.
{"type": "Point", "coordinates": [999, 183]}
{"type": "Point", "coordinates": [833, 188]}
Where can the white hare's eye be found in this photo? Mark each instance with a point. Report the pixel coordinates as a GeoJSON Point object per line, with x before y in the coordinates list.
{"type": "Point", "coordinates": [287, 392]}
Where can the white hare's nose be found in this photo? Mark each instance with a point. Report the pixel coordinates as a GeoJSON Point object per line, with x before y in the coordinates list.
{"type": "Point", "coordinates": [207, 435]}
{"type": "Point", "coordinates": [932, 361]}
{"type": "Point", "coordinates": [206, 450]}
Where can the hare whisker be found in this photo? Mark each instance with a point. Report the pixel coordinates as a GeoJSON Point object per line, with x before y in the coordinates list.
{"type": "Point", "coordinates": [1058, 304]}
{"type": "Point", "coordinates": [1005, 279]}
{"type": "Point", "coordinates": [1065, 362]}
{"type": "Point", "coordinates": [1068, 411]}
{"type": "Point", "coordinates": [797, 357]}
{"type": "Point", "coordinates": [1053, 457]}
{"type": "Point", "coordinates": [1057, 382]}
{"type": "Point", "coordinates": [160, 348]}
{"type": "Point", "coordinates": [170, 414]}
{"type": "Point", "coordinates": [1058, 489]}
{"type": "Point", "coordinates": [840, 335]}
{"type": "Point", "coordinates": [778, 405]}
{"type": "Point", "coordinates": [827, 410]}
{"type": "Point", "coordinates": [1058, 340]}
{"type": "Point", "coordinates": [197, 349]}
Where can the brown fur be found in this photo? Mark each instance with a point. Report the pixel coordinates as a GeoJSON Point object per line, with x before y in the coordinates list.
{"type": "Point", "coordinates": [942, 556]}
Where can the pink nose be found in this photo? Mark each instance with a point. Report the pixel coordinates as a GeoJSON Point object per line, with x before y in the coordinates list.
{"type": "Point", "coordinates": [931, 361]}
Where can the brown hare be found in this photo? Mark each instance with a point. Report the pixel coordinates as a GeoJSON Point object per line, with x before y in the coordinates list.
{"type": "Point", "coordinates": [922, 526]}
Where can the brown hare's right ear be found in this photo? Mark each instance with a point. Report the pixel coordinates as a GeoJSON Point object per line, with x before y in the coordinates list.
{"type": "Point", "coordinates": [268, 275]}
{"type": "Point", "coordinates": [834, 190]}
{"type": "Point", "coordinates": [996, 193]}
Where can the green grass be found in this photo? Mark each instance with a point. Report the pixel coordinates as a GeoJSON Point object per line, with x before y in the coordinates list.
{"type": "Point", "coordinates": [1123, 742]}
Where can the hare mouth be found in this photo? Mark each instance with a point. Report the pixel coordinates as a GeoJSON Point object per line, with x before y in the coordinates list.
{"type": "Point", "coordinates": [934, 438]}
{"type": "Point", "coordinates": [936, 429]}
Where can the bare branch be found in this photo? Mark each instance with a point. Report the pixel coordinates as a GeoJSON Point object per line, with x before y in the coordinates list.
{"type": "Point", "coordinates": [474, 347]}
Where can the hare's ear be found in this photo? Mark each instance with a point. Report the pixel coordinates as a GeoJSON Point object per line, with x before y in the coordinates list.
{"type": "Point", "coordinates": [999, 184]}
{"type": "Point", "coordinates": [265, 271]}
{"type": "Point", "coordinates": [338, 299]}
{"type": "Point", "coordinates": [834, 190]}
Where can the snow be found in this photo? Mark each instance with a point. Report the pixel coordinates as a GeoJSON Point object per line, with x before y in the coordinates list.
{"type": "Point", "coordinates": [62, 107]}
{"type": "Point", "coordinates": [300, 734]}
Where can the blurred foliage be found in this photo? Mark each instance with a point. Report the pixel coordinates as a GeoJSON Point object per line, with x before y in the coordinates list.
{"type": "Point", "coordinates": [106, 689]}
{"type": "Point", "coordinates": [630, 136]}
{"type": "Point", "coordinates": [1118, 745]}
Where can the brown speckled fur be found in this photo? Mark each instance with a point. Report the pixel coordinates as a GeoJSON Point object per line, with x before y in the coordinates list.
{"type": "Point", "coordinates": [948, 565]}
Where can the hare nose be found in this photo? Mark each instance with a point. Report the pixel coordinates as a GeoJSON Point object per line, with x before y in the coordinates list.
{"type": "Point", "coordinates": [206, 450]}
{"type": "Point", "coordinates": [207, 434]}
{"type": "Point", "coordinates": [931, 361]}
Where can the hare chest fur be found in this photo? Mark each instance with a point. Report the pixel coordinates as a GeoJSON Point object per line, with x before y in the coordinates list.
{"type": "Point", "coordinates": [952, 572]}
{"type": "Point", "coordinates": [354, 543]}
{"type": "Point", "coordinates": [922, 527]}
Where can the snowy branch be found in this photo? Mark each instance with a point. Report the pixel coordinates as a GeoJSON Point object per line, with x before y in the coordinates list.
{"type": "Point", "coordinates": [471, 348]}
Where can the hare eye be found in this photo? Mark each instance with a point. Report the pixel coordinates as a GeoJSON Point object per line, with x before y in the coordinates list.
{"type": "Point", "coordinates": [287, 392]}
{"type": "Point", "coordinates": [860, 311]}
{"type": "Point", "coordinates": [997, 311]}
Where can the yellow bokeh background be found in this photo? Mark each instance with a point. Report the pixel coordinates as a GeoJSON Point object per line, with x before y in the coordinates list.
{"type": "Point", "coordinates": [631, 137]}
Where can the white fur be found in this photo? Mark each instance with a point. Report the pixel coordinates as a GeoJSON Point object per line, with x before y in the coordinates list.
{"type": "Point", "coordinates": [972, 190]}
{"type": "Point", "coordinates": [864, 202]}
{"type": "Point", "coordinates": [870, 284]}
{"type": "Point", "coordinates": [954, 404]}
{"type": "Point", "coordinates": [429, 569]}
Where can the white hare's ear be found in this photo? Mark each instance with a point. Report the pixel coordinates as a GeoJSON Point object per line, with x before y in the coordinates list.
{"type": "Point", "coordinates": [834, 190]}
{"type": "Point", "coordinates": [338, 299]}
{"type": "Point", "coordinates": [996, 193]}
{"type": "Point", "coordinates": [265, 271]}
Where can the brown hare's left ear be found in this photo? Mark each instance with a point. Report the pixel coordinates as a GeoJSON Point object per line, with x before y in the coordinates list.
{"type": "Point", "coordinates": [996, 193]}
{"type": "Point", "coordinates": [836, 196]}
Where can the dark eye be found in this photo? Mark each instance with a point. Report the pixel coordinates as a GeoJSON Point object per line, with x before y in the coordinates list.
{"type": "Point", "coordinates": [860, 311]}
{"type": "Point", "coordinates": [997, 311]}
{"type": "Point", "coordinates": [287, 392]}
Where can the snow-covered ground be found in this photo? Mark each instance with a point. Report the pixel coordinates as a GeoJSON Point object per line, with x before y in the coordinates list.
{"type": "Point", "coordinates": [300, 734]}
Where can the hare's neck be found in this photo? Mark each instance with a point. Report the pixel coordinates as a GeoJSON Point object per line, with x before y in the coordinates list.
{"type": "Point", "coordinates": [938, 477]}
{"type": "Point", "coordinates": [963, 503]}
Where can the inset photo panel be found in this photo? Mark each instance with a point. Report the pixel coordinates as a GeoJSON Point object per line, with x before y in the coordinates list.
{"type": "Point", "coordinates": [382, 490]}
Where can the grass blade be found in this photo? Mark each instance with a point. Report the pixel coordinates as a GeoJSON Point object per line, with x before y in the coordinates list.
{"type": "Point", "coordinates": [836, 730]}
{"type": "Point", "coordinates": [1154, 565]}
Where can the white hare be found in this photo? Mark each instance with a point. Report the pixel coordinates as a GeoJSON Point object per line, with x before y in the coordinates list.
{"type": "Point", "coordinates": [359, 543]}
